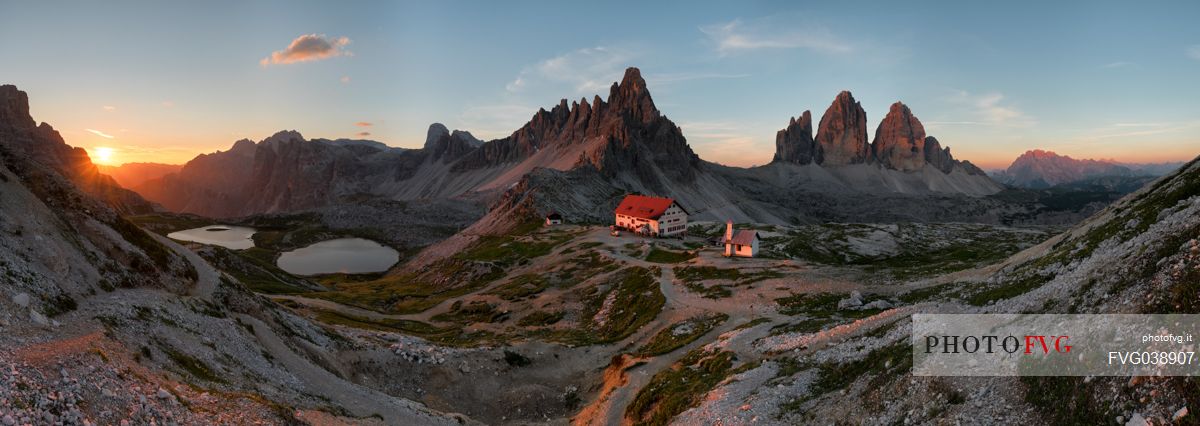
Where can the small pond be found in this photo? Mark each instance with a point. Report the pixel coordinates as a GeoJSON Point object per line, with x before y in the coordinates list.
{"type": "Point", "coordinates": [342, 255]}
{"type": "Point", "coordinates": [231, 237]}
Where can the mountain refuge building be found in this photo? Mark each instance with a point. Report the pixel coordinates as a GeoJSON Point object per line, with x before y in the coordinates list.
{"type": "Point", "coordinates": [743, 243]}
{"type": "Point", "coordinates": [651, 216]}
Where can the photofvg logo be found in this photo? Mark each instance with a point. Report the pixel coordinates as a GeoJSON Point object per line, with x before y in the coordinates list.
{"type": "Point", "coordinates": [1029, 344]}
{"type": "Point", "coordinates": [1053, 345]}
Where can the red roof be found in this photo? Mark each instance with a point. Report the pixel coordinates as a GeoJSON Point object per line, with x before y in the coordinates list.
{"type": "Point", "coordinates": [744, 237]}
{"type": "Point", "coordinates": [643, 206]}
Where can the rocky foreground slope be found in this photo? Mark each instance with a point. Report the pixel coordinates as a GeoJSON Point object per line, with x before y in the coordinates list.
{"type": "Point", "coordinates": [103, 323]}
{"type": "Point", "coordinates": [1140, 255]}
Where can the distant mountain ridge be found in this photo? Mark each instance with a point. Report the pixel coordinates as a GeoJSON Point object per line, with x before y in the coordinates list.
{"type": "Point", "coordinates": [1043, 169]}
{"type": "Point", "coordinates": [131, 175]}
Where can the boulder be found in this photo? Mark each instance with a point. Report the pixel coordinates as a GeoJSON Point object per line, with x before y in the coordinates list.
{"type": "Point", "coordinates": [22, 300]}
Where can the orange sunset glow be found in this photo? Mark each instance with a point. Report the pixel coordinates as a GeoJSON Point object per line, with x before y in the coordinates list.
{"type": "Point", "coordinates": [619, 213]}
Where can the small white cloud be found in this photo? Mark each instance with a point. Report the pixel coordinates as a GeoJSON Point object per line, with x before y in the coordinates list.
{"type": "Point", "coordinates": [99, 133]}
{"type": "Point", "coordinates": [1194, 52]}
{"type": "Point", "coordinates": [308, 47]}
{"type": "Point", "coordinates": [1118, 64]}
{"type": "Point", "coordinates": [109, 108]}
{"type": "Point", "coordinates": [735, 36]}
{"type": "Point", "coordinates": [586, 70]}
{"type": "Point", "coordinates": [345, 79]}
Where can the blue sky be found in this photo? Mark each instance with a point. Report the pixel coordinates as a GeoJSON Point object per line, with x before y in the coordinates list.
{"type": "Point", "coordinates": [163, 81]}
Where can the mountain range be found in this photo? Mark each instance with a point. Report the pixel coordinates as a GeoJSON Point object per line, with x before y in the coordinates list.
{"type": "Point", "coordinates": [616, 145]}
{"type": "Point", "coordinates": [1043, 169]}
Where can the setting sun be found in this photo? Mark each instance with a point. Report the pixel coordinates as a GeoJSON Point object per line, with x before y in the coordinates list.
{"type": "Point", "coordinates": [766, 212]}
{"type": "Point", "coordinates": [102, 155]}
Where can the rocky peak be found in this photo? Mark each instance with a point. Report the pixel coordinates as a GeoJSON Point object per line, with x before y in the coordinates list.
{"type": "Point", "coordinates": [938, 157]}
{"type": "Point", "coordinates": [628, 126]}
{"type": "Point", "coordinates": [436, 132]}
{"type": "Point", "coordinates": [631, 95]}
{"type": "Point", "coordinates": [282, 136]}
{"type": "Point", "coordinates": [467, 137]}
{"type": "Point", "coordinates": [243, 147]}
{"type": "Point", "coordinates": [842, 134]}
{"type": "Point", "coordinates": [1039, 154]}
{"type": "Point", "coordinates": [795, 144]}
{"type": "Point", "coordinates": [900, 140]}
{"type": "Point", "coordinates": [14, 109]}
{"type": "Point", "coordinates": [441, 144]}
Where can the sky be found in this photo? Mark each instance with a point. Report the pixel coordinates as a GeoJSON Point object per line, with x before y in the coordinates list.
{"type": "Point", "coordinates": [164, 81]}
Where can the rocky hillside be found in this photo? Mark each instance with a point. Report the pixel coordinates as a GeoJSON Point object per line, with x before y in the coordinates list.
{"type": "Point", "coordinates": [23, 137]}
{"type": "Point", "coordinates": [103, 323]}
{"type": "Point", "coordinates": [1140, 255]}
{"type": "Point", "coordinates": [1043, 169]}
{"type": "Point", "coordinates": [286, 172]}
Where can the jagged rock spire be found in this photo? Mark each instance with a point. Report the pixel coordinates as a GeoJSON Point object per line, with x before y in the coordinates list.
{"type": "Point", "coordinates": [900, 140]}
{"type": "Point", "coordinates": [842, 135]}
{"type": "Point", "coordinates": [795, 143]}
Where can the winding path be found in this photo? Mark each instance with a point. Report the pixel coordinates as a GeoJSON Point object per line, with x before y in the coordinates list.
{"type": "Point", "coordinates": [207, 277]}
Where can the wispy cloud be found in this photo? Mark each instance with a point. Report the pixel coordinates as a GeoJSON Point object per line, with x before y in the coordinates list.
{"type": "Point", "coordinates": [988, 109]}
{"type": "Point", "coordinates": [345, 79]}
{"type": "Point", "coordinates": [736, 36]}
{"type": "Point", "coordinates": [364, 124]}
{"type": "Point", "coordinates": [99, 133]}
{"type": "Point", "coordinates": [1122, 130]}
{"type": "Point", "coordinates": [1139, 124]}
{"type": "Point", "coordinates": [1194, 52]}
{"type": "Point", "coordinates": [363, 134]}
{"type": "Point", "coordinates": [109, 108]}
{"type": "Point", "coordinates": [586, 70]}
{"type": "Point", "coordinates": [308, 47]}
{"type": "Point", "coordinates": [168, 104]}
{"type": "Point", "coordinates": [1118, 64]}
